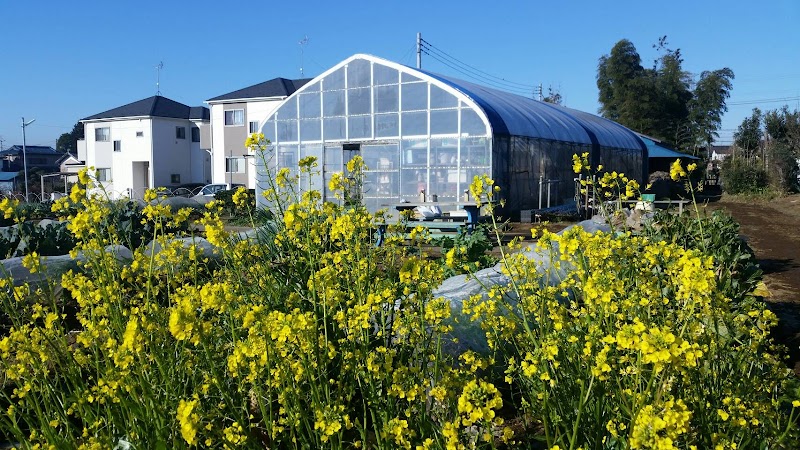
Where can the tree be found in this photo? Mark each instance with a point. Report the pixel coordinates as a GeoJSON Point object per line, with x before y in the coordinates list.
{"type": "Point", "coordinates": [707, 106]}
{"type": "Point", "coordinates": [662, 101]}
{"type": "Point", "coordinates": [748, 135]}
{"type": "Point", "coordinates": [619, 77]}
{"type": "Point", "coordinates": [553, 96]}
{"type": "Point", "coordinates": [68, 142]}
{"type": "Point", "coordinates": [782, 128]}
{"type": "Point", "coordinates": [769, 144]}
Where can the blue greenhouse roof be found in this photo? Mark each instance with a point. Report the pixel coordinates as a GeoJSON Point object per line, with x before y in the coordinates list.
{"type": "Point", "coordinates": [656, 150]}
{"type": "Point", "coordinates": [520, 116]}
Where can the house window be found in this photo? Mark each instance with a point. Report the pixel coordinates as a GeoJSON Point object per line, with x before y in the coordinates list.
{"type": "Point", "coordinates": [234, 117]}
{"type": "Point", "coordinates": [195, 134]}
{"type": "Point", "coordinates": [175, 178]}
{"type": "Point", "coordinates": [140, 134]}
{"type": "Point", "coordinates": [180, 132]}
{"type": "Point", "coordinates": [253, 127]}
{"type": "Point", "coordinates": [102, 134]}
{"type": "Point", "coordinates": [117, 146]}
{"type": "Point", "coordinates": [103, 174]}
{"type": "Point", "coordinates": [234, 165]}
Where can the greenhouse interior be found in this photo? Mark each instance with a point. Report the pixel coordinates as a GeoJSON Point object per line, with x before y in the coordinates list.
{"type": "Point", "coordinates": [426, 136]}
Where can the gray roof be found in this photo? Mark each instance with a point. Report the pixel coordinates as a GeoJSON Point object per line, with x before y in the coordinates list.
{"type": "Point", "coordinates": [155, 106]}
{"type": "Point", "coordinates": [199, 113]}
{"type": "Point", "coordinates": [30, 149]}
{"type": "Point", "coordinates": [276, 87]}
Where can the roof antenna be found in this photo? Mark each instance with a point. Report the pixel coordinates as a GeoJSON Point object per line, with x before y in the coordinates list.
{"type": "Point", "coordinates": [303, 42]}
{"type": "Point", "coordinates": [158, 77]}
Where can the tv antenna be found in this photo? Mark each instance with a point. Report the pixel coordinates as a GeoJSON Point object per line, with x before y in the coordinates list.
{"type": "Point", "coordinates": [303, 42]}
{"type": "Point", "coordinates": [158, 77]}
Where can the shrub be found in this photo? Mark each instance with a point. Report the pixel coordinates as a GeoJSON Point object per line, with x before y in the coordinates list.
{"type": "Point", "coordinates": [739, 177]}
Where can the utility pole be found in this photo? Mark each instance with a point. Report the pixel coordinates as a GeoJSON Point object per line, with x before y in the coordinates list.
{"type": "Point", "coordinates": [1, 143]}
{"type": "Point", "coordinates": [419, 50]}
{"type": "Point", "coordinates": [25, 155]}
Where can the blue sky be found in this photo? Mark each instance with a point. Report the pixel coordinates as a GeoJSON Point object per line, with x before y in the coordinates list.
{"type": "Point", "coordinates": [62, 61]}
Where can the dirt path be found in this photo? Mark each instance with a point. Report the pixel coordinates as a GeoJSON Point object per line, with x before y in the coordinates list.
{"type": "Point", "coordinates": [772, 229]}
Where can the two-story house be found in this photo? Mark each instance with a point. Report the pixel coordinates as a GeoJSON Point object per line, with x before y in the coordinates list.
{"type": "Point", "coordinates": [233, 117]}
{"type": "Point", "coordinates": [40, 157]}
{"type": "Point", "coordinates": [153, 142]}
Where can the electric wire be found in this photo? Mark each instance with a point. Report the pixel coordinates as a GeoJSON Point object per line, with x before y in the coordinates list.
{"type": "Point", "coordinates": [455, 60]}
{"type": "Point", "coordinates": [524, 93]}
{"type": "Point", "coordinates": [407, 55]}
{"type": "Point", "coordinates": [765, 100]}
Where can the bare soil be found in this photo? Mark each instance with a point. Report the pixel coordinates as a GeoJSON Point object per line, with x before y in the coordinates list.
{"type": "Point", "coordinates": [772, 229]}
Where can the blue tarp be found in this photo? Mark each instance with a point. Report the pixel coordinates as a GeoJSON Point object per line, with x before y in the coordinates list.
{"type": "Point", "coordinates": [8, 176]}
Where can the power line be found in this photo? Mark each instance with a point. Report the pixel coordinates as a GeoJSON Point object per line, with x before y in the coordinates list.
{"type": "Point", "coordinates": [407, 55]}
{"type": "Point", "coordinates": [525, 93]}
{"type": "Point", "coordinates": [482, 80]}
{"type": "Point", "coordinates": [470, 68]}
{"type": "Point", "coordinates": [764, 100]}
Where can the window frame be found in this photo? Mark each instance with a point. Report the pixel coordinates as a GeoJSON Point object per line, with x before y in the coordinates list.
{"type": "Point", "coordinates": [250, 127]}
{"type": "Point", "coordinates": [180, 133]}
{"type": "Point", "coordinates": [240, 164]}
{"type": "Point", "coordinates": [107, 134]}
{"type": "Point", "coordinates": [103, 174]}
{"type": "Point", "coordinates": [195, 133]}
{"type": "Point", "coordinates": [117, 146]}
{"type": "Point", "coordinates": [233, 113]}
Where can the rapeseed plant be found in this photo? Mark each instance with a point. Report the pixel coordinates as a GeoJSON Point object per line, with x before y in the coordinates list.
{"type": "Point", "coordinates": [310, 336]}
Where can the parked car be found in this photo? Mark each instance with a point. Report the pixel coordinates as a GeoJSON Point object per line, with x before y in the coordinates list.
{"type": "Point", "coordinates": [210, 190]}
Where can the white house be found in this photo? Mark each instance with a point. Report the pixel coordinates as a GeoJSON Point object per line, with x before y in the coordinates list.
{"type": "Point", "coordinates": [720, 152]}
{"type": "Point", "coordinates": [233, 117]}
{"type": "Point", "coordinates": [153, 142]}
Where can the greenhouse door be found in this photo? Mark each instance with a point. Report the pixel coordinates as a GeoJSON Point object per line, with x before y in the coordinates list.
{"type": "Point", "coordinates": [333, 163]}
{"type": "Point", "coordinates": [382, 176]}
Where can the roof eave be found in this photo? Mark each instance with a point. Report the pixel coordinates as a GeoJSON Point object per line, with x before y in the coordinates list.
{"type": "Point", "coordinates": [245, 100]}
{"type": "Point", "coordinates": [115, 119]}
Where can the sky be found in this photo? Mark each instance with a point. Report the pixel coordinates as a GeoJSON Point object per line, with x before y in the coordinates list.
{"type": "Point", "coordinates": [63, 61]}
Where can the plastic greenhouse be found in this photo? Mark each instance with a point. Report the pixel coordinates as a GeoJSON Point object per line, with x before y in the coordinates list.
{"type": "Point", "coordinates": [419, 131]}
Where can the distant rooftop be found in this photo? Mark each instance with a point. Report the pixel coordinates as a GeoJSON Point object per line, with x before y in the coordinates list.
{"type": "Point", "coordinates": [155, 106]}
{"type": "Point", "coordinates": [722, 149]}
{"type": "Point", "coordinates": [276, 87]}
{"type": "Point", "coordinates": [30, 149]}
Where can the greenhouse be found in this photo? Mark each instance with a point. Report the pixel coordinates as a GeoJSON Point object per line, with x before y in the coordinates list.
{"type": "Point", "coordinates": [420, 132]}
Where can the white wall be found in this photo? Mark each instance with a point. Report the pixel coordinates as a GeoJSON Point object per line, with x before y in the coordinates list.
{"type": "Point", "coordinates": [170, 154]}
{"type": "Point", "coordinates": [218, 143]}
{"type": "Point", "coordinates": [256, 110]}
{"type": "Point", "coordinates": [259, 111]}
{"type": "Point", "coordinates": [158, 146]}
